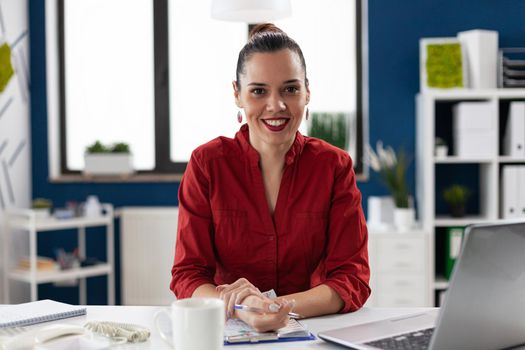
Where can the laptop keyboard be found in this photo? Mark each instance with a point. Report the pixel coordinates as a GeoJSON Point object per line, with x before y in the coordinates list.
{"type": "Point", "coordinates": [407, 341]}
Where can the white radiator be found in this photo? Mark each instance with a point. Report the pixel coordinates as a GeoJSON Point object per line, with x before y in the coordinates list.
{"type": "Point", "coordinates": [147, 247]}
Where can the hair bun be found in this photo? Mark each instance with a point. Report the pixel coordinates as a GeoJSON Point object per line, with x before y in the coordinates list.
{"type": "Point", "coordinates": [264, 28]}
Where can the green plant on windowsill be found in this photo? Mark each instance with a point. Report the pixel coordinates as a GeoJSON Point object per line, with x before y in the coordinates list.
{"type": "Point", "coordinates": [456, 197]}
{"type": "Point", "coordinates": [120, 147]}
{"type": "Point", "coordinates": [99, 147]}
{"type": "Point", "coordinates": [108, 160]}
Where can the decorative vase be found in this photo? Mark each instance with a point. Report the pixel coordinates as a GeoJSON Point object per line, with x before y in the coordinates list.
{"type": "Point", "coordinates": [404, 218]}
{"type": "Point", "coordinates": [380, 211]}
{"type": "Point", "coordinates": [92, 207]}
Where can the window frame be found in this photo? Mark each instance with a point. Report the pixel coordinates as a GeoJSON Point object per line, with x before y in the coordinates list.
{"type": "Point", "coordinates": [163, 163]}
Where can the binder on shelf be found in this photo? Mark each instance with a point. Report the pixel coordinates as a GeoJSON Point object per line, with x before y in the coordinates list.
{"type": "Point", "coordinates": [510, 191]}
{"type": "Point", "coordinates": [514, 138]}
{"type": "Point", "coordinates": [521, 192]}
{"type": "Point", "coordinates": [441, 297]}
{"type": "Point", "coordinates": [453, 247]}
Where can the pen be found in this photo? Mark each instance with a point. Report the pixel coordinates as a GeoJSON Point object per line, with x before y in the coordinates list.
{"type": "Point", "coordinates": [256, 309]}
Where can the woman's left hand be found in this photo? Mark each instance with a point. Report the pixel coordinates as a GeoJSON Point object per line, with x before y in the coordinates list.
{"type": "Point", "coordinates": [235, 293]}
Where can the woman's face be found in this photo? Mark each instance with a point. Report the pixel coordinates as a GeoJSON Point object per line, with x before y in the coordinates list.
{"type": "Point", "coordinates": [273, 95]}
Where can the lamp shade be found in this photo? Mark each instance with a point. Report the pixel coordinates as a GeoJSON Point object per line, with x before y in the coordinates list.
{"type": "Point", "coordinates": [250, 11]}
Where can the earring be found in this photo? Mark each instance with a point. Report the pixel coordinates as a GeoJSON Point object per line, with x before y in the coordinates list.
{"type": "Point", "coordinates": [307, 113]}
{"type": "Point", "coordinates": [239, 116]}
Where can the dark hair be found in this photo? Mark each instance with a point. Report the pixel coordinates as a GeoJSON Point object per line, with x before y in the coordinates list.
{"type": "Point", "coordinates": [266, 37]}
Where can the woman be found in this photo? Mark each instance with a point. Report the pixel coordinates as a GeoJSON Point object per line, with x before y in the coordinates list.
{"type": "Point", "coordinates": [271, 208]}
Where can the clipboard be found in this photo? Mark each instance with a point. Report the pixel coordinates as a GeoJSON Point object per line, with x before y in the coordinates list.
{"type": "Point", "coordinates": [270, 338]}
{"type": "Point", "coordinates": [238, 332]}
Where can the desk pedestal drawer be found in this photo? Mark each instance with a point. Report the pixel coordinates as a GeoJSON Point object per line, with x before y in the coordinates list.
{"type": "Point", "coordinates": [410, 299]}
{"type": "Point", "coordinates": [391, 290]}
{"type": "Point", "coordinates": [394, 282]}
{"type": "Point", "coordinates": [400, 269]}
{"type": "Point", "coordinates": [400, 255]}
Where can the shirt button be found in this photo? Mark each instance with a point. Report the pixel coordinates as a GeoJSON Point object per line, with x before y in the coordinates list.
{"type": "Point", "coordinates": [270, 238]}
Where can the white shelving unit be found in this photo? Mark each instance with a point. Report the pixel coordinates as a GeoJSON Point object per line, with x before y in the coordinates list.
{"type": "Point", "coordinates": [434, 116]}
{"type": "Point", "coordinates": [25, 220]}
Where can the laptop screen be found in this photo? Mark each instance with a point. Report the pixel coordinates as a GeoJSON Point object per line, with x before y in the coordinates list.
{"type": "Point", "coordinates": [485, 303]}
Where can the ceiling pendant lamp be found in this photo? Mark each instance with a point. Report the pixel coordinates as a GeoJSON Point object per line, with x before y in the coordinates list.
{"type": "Point", "coordinates": [250, 11]}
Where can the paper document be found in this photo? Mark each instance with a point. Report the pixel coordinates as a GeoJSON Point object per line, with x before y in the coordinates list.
{"type": "Point", "coordinates": [236, 330]}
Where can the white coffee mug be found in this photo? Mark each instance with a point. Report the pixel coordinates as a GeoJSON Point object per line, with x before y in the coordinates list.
{"type": "Point", "coordinates": [196, 323]}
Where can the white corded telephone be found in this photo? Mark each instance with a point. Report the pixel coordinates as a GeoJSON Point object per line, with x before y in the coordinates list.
{"type": "Point", "coordinates": [34, 337]}
{"type": "Point", "coordinates": [119, 333]}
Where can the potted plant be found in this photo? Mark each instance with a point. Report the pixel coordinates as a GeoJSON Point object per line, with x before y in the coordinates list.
{"type": "Point", "coordinates": [440, 148]}
{"type": "Point", "coordinates": [102, 159]}
{"type": "Point", "coordinates": [456, 197]}
{"type": "Point", "coordinates": [42, 207]}
{"type": "Point", "coordinates": [331, 127]}
{"type": "Point", "coordinates": [392, 169]}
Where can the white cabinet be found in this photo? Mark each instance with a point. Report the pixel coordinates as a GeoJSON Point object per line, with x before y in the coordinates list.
{"type": "Point", "coordinates": [400, 264]}
{"type": "Point", "coordinates": [483, 175]}
{"type": "Point", "coordinates": [19, 221]}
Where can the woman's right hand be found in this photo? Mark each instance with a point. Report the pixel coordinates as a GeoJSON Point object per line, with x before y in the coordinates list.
{"type": "Point", "coordinates": [274, 317]}
{"type": "Point", "coordinates": [235, 293]}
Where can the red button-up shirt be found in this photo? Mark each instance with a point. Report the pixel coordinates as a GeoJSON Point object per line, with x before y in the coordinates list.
{"type": "Point", "coordinates": [317, 234]}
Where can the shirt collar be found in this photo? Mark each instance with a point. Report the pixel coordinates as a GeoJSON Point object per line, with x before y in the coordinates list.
{"type": "Point", "coordinates": [243, 137]}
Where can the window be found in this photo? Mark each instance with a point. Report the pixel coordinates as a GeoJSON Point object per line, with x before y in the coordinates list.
{"type": "Point", "coordinates": [328, 40]}
{"type": "Point", "coordinates": [108, 85]}
{"type": "Point", "coordinates": [160, 80]}
{"type": "Point", "coordinates": [202, 57]}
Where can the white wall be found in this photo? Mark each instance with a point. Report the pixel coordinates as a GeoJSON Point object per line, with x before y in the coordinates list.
{"type": "Point", "coordinates": [15, 141]}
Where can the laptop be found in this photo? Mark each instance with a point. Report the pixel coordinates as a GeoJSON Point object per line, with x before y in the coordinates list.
{"type": "Point", "coordinates": [484, 307]}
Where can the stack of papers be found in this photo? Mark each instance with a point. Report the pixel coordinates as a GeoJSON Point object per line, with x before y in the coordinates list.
{"type": "Point", "coordinates": [42, 264]}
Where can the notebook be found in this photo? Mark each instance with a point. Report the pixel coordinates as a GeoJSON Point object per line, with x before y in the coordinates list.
{"type": "Point", "coordinates": [37, 312]}
{"type": "Point", "coordinates": [238, 332]}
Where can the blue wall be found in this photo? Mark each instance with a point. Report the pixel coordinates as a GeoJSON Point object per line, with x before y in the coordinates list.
{"type": "Point", "coordinates": [395, 28]}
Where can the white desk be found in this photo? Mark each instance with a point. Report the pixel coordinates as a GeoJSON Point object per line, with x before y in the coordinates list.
{"type": "Point", "coordinates": [143, 315]}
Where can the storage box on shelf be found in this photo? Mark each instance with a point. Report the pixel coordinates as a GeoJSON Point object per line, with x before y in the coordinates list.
{"type": "Point", "coordinates": [400, 263]}
{"type": "Point", "coordinates": [20, 220]}
{"type": "Point", "coordinates": [451, 115]}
